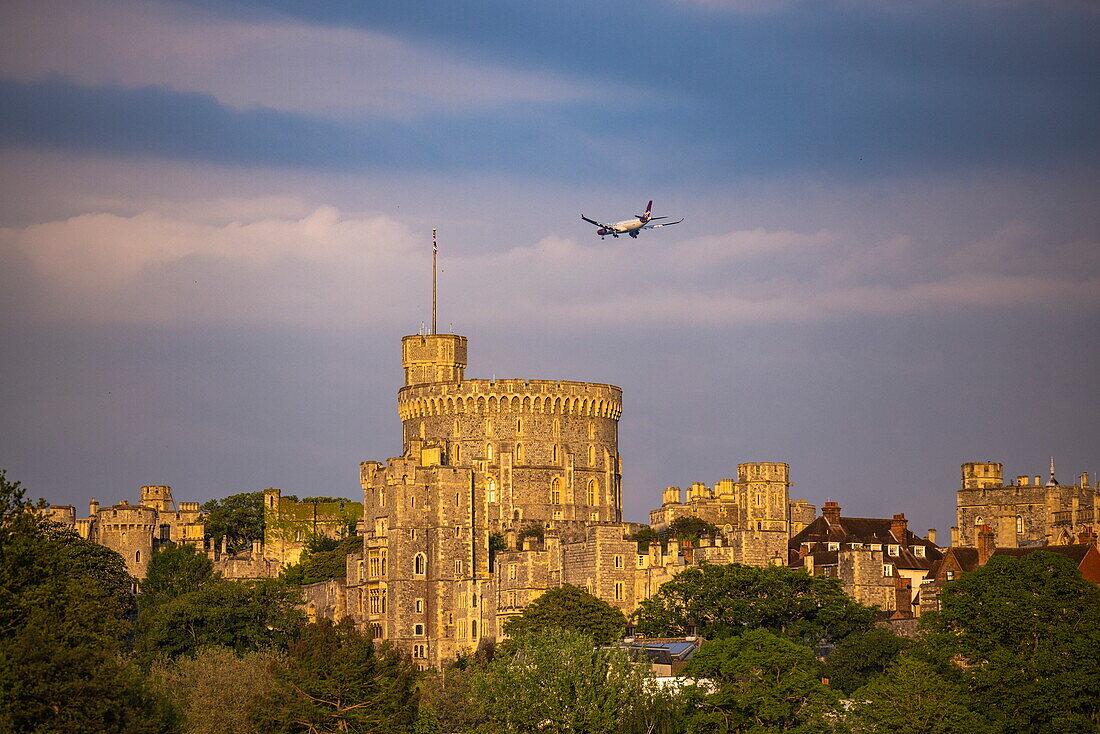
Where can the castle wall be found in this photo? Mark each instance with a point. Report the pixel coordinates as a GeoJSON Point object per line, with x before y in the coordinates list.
{"type": "Point", "coordinates": [1023, 512]}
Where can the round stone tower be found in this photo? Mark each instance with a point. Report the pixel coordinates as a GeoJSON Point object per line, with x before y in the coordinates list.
{"type": "Point", "coordinates": [545, 449]}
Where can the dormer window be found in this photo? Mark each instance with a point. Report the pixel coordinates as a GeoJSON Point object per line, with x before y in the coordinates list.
{"type": "Point", "coordinates": [876, 546]}
{"type": "Point", "coordinates": [855, 546]}
{"type": "Point", "coordinates": [919, 550]}
{"type": "Point", "coordinates": [834, 546]}
{"type": "Point", "coordinates": [893, 550]}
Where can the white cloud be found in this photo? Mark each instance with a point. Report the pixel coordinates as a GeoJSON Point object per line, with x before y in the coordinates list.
{"type": "Point", "coordinates": [325, 268]}
{"type": "Point", "coordinates": [272, 61]}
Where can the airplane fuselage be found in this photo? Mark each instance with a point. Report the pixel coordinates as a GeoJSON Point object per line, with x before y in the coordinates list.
{"type": "Point", "coordinates": [624, 227]}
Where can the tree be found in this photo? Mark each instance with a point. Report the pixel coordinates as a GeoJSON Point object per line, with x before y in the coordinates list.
{"type": "Point", "coordinates": [644, 537]}
{"type": "Point", "coordinates": [558, 681]}
{"type": "Point", "coordinates": [1025, 633]}
{"type": "Point", "coordinates": [217, 691]}
{"type": "Point", "coordinates": [336, 679]}
{"type": "Point", "coordinates": [690, 528]}
{"type": "Point", "coordinates": [65, 609]}
{"type": "Point", "coordinates": [239, 518]}
{"type": "Point", "coordinates": [862, 656]}
{"type": "Point", "coordinates": [174, 570]}
{"type": "Point", "coordinates": [912, 698]}
{"type": "Point", "coordinates": [572, 608]}
{"type": "Point", "coordinates": [725, 600]}
{"type": "Point", "coordinates": [765, 684]}
{"type": "Point", "coordinates": [243, 616]}
{"type": "Point", "coordinates": [323, 558]}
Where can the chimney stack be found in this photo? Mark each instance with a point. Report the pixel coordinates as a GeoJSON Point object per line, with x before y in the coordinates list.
{"type": "Point", "coordinates": [899, 528]}
{"type": "Point", "coordinates": [831, 513]}
{"type": "Point", "coordinates": [986, 544]}
{"type": "Point", "coordinates": [931, 537]}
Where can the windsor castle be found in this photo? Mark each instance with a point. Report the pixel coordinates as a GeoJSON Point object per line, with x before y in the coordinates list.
{"type": "Point", "coordinates": [507, 488]}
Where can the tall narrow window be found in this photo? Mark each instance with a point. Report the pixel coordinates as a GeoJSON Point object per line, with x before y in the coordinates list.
{"type": "Point", "coordinates": [418, 564]}
{"type": "Point", "coordinates": [473, 629]}
{"type": "Point", "coordinates": [1019, 524]}
{"type": "Point", "coordinates": [489, 451]}
{"type": "Point", "coordinates": [593, 492]}
{"type": "Point", "coordinates": [519, 453]}
{"type": "Point", "coordinates": [456, 454]}
{"type": "Point", "coordinates": [592, 456]}
{"type": "Point", "coordinates": [491, 490]}
{"type": "Point", "coordinates": [555, 491]}
{"type": "Point", "coordinates": [554, 454]}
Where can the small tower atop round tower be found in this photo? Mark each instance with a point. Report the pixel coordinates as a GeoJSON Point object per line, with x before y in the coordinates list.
{"type": "Point", "coordinates": [431, 358]}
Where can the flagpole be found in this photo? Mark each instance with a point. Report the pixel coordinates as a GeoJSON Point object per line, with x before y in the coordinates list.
{"type": "Point", "coordinates": [435, 253]}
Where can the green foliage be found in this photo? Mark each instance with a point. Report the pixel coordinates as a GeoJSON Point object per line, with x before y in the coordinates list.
{"type": "Point", "coordinates": [912, 698]}
{"type": "Point", "coordinates": [765, 684]}
{"type": "Point", "coordinates": [557, 681]}
{"type": "Point", "coordinates": [644, 537]}
{"type": "Point", "coordinates": [572, 608]}
{"type": "Point", "coordinates": [243, 616]}
{"type": "Point", "coordinates": [238, 517]}
{"type": "Point", "coordinates": [726, 600]}
{"type": "Point", "coordinates": [335, 679]}
{"type": "Point", "coordinates": [217, 691]}
{"type": "Point", "coordinates": [65, 608]}
{"type": "Point", "coordinates": [323, 558]}
{"type": "Point", "coordinates": [320, 500]}
{"type": "Point", "coordinates": [174, 570]}
{"type": "Point", "coordinates": [862, 656]}
{"type": "Point", "coordinates": [1027, 634]}
{"type": "Point", "coordinates": [690, 528]}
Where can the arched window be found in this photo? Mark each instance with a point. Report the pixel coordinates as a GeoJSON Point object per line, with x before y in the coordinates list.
{"type": "Point", "coordinates": [419, 561]}
{"type": "Point", "coordinates": [456, 454]}
{"type": "Point", "coordinates": [519, 425]}
{"type": "Point", "coordinates": [1019, 524]}
{"type": "Point", "coordinates": [555, 491]}
{"type": "Point", "coordinates": [593, 492]}
{"type": "Point", "coordinates": [519, 453]}
{"type": "Point", "coordinates": [137, 557]}
{"type": "Point", "coordinates": [554, 454]}
{"type": "Point", "coordinates": [592, 456]}
{"type": "Point", "coordinates": [979, 520]}
{"type": "Point", "coordinates": [473, 629]}
{"type": "Point", "coordinates": [491, 490]}
{"type": "Point", "coordinates": [489, 451]}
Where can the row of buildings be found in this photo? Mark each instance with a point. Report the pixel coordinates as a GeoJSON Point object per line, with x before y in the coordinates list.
{"type": "Point", "coordinates": [506, 488]}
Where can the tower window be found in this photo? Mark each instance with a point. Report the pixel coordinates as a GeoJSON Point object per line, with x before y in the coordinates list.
{"type": "Point", "coordinates": [519, 452]}
{"type": "Point", "coordinates": [1019, 524]}
{"type": "Point", "coordinates": [418, 630]}
{"type": "Point", "coordinates": [593, 492]}
{"type": "Point", "coordinates": [491, 490]}
{"type": "Point", "coordinates": [419, 562]}
{"type": "Point", "coordinates": [555, 489]}
{"type": "Point", "coordinates": [489, 451]}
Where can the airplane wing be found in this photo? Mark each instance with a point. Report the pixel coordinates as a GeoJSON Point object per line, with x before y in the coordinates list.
{"type": "Point", "coordinates": [598, 224]}
{"type": "Point", "coordinates": [662, 224]}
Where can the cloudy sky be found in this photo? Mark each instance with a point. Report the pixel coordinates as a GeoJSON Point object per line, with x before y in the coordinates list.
{"type": "Point", "coordinates": [215, 227]}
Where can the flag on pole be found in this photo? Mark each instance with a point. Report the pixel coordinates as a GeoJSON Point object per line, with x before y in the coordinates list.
{"type": "Point", "coordinates": [435, 247]}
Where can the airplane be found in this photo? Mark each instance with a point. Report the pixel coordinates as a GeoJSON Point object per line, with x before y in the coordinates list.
{"type": "Point", "coordinates": [630, 226]}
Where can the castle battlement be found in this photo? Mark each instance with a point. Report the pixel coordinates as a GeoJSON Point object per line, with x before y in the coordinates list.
{"type": "Point", "coordinates": [563, 397]}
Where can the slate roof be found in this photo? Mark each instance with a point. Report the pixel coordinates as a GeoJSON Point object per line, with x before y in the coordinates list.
{"type": "Point", "coordinates": [1075, 553]}
{"type": "Point", "coordinates": [865, 531]}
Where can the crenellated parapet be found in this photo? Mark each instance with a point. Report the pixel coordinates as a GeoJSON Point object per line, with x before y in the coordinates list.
{"type": "Point", "coordinates": [516, 396]}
